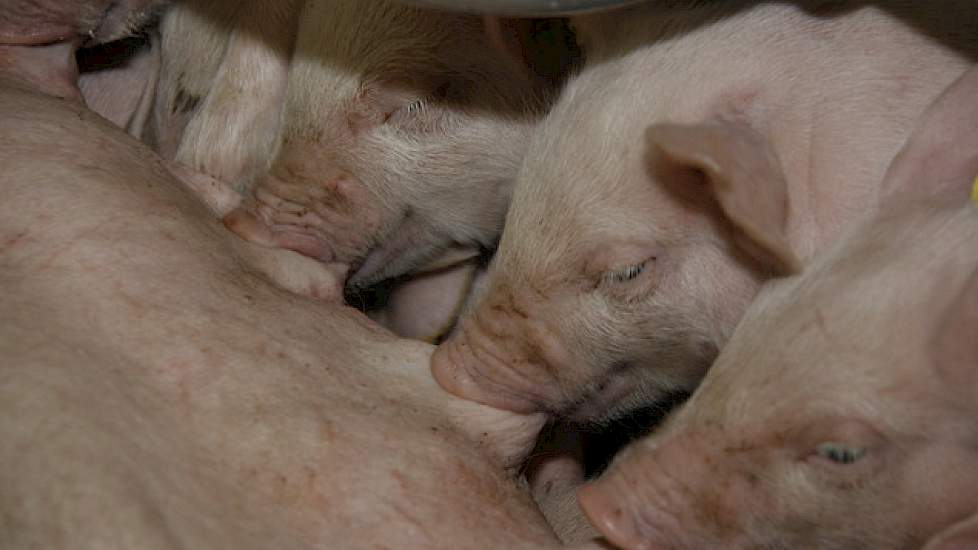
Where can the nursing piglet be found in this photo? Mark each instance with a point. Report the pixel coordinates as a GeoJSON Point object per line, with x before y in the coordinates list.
{"type": "Point", "coordinates": [402, 132]}
{"type": "Point", "coordinates": [841, 414]}
{"type": "Point", "coordinates": [623, 269]}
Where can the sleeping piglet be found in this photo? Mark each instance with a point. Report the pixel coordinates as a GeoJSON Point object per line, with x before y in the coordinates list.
{"type": "Point", "coordinates": [401, 135]}
{"type": "Point", "coordinates": [623, 269]}
{"type": "Point", "coordinates": [841, 414]}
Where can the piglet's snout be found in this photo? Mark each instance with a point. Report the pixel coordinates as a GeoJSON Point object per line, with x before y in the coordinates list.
{"type": "Point", "coordinates": [627, 506]}
{"type": "Point", "coordinates": [677, 492]}
{"type": "Point", "coordinates": [485, 362]}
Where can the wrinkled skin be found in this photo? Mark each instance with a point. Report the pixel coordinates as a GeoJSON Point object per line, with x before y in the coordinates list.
{"type": "Point", "coordinates": [642, 220]}
{"type": "Point", "coordinates": [401, 134]}
{"type": "Point", "coordinates": [841, 413]}
{"type": "Point", "coordinates": [157, 391]}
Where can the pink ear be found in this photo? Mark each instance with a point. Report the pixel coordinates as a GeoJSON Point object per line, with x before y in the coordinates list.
{"type": "Point", "coordinates": [959, 536]}
{"type": "Point", "coordinates": [954, 346]}
{"type": "Point", "coordinates": [743, 174]}
{"type": "Point", "coordinates": [940, 157]}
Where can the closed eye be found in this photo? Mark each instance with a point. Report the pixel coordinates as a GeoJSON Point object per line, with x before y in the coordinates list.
{"type": "Point", "coordinates": [414, 107]}
{"type": "Point", "coordinates": [405, 112]}
{"type": "Point", "coordinates": [839, 453]}
{"type": "Point", "coordinates": [626, 274]}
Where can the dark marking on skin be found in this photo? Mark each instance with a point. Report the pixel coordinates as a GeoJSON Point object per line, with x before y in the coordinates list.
{"type": "Point", "coordinates": [752, 479]}
{"type": "Point", "coordinates": [830, 8]}
{"type": "Point", "coordinates": [515, 308]}
{"type": "Point", "coordinates": [185, 102]}
{"type": "Point", "coordinates": [111, 55]}
{"type": "Point", "coordinates": [10, 242]}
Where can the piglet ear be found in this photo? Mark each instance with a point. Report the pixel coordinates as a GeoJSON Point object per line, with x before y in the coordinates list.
{"type": "Point", "coordinates": [940, 158]}
{"type": "Point", "coordinates": [743, 174]}
{"type": "Point", "coordinates": [954, 346]}
{"type": "Point", "coordinates": [959, 536]}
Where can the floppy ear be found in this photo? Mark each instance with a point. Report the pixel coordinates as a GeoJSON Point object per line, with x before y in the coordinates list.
{"type": "Point", "coordinates": [954, 345]}
{"type": "Point", "coordinates": [959, 536]}
{"type": "Point", "coordinates": [744, 175]}
{"type": "Point", "coordinates": [940, 158]}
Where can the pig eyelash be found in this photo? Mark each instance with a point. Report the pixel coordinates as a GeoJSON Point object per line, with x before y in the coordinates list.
{"type": "Point", "coordinates": [627, 274]}
{"type": "Point", "coordinates": [840, 453]}
{"type": "Point", "coordinates": [408, 111]}
{"type": "Point", "coordinates": [415, 107]}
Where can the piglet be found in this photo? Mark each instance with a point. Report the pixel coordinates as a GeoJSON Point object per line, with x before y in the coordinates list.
{"type": "Point", "coordinates": [401, 134]}
{"type": "Point", "coordinates": [623, 269]}
{"type": "Point", "coordinates": [842, 412]}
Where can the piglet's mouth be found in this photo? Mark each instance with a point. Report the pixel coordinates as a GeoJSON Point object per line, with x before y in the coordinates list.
{"type": "Point", "coordinates": [451, 369]}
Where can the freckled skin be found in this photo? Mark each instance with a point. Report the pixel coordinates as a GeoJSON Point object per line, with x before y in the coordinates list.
{"type": "Point", "coordinates": [158, 390]}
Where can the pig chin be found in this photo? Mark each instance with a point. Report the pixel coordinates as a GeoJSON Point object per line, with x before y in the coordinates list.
{"type": "Point", "coordinates": [614, 396]}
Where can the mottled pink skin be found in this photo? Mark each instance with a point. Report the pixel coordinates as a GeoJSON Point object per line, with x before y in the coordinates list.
{"type": "Point", "coordinates": [870, 353]}
{"type": "Point", "coordinates": [157, 392]}
{"type": "Point", "coordinates": [662, 190]}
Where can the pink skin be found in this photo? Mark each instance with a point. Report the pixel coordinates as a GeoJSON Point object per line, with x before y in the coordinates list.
{"type": "Point", "coordinates": [395, 145]}
{"type": "Point", "coordinates": [425, 306]}
{"type": "Point", "coordinates": [40, 56]}
{"type": "Point", "coordinates": [674, 177]}
{"type": "Point", "coordinates": [122, 90]}
{"type": "Point", "coordinates": [294, 272]}
{"type": "Point", "coordinates": [38, 39]}
{"type": "Point", "coordinates": [155, 389]}
{"type": "Point", "coordinates": [855, 428]}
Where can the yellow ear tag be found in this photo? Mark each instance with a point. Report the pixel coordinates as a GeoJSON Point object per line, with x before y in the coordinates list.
{"type": "Point", "coordinates": [974, 192]}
